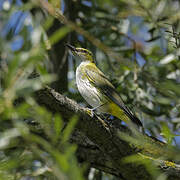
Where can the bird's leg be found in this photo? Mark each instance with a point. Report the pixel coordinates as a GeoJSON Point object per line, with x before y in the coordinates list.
{"type": "Point", "coordinates": [108, 119]}
{"type": "Point", "coordinates": [93, 111]}
{"type": "Point", "coordinates": [95, 108]}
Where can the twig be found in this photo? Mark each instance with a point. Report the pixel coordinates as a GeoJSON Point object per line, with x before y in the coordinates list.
{"type": "Point", "coordinates": [57, 14]}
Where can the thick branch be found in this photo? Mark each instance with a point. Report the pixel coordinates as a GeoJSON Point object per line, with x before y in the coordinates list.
{"type": "Point", "coordinates": [89, 152]}
{"type": "Point", "coordinates": [111, 147]}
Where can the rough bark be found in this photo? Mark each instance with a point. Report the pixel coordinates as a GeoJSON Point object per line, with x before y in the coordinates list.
{"type": "Point", "coordinates": [104, 146]}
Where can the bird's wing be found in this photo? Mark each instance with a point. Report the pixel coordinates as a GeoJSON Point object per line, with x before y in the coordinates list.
{"type": "Point", "coordinates": [100, 81]}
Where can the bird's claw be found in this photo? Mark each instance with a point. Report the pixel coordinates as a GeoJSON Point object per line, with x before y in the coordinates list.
{"type": "Point", "coordinates": [90, 112]}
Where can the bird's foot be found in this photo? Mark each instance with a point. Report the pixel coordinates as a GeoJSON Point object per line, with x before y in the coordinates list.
{"type": "Point", "coordinates": [90, 112]}
{"type": "Point", "coordinates": [93, 111]}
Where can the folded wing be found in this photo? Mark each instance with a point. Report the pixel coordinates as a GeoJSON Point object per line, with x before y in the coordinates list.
{"type": "Point", "coordinates": [105, 87]}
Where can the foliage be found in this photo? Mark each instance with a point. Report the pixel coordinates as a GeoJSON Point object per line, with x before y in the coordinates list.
{"type": "Point", "coordinates": [145, 36]}
{"type": "Point", "coordinates": [27, 151]}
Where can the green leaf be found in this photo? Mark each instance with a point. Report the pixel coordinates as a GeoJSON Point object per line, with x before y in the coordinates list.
{"type": "Point", "coordinates": [163, 100]}
{"type": "Point", "coordinates": [69, 128]}
{"type": "Point", "coordinates": [171, 87]}
{"type": "Point", "coordinates": [48, 23]}
{"type": "Point", "coordinates": [166, 132]}
{"type": "Point", "coordinates": [58, 124]}
{"type": "Point", "coordinates": [62, 161]}
{"type": "Point", "coordinates": [59, 34]}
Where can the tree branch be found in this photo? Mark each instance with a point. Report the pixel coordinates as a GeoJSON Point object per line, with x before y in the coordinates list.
{"type": "Point", "coordinates": [114, 144]}
{"type": "Point", "coordinates": [109, 142]}
{"type": "Point", "coordinates": [90, 153]}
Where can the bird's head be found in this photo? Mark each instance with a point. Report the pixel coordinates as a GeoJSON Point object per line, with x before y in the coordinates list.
{"type": "Point", "coordinates": [83, 54]}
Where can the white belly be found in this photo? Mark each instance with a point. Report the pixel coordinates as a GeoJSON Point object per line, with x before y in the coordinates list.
{"type": "Point", "coordinates": [88, 92]}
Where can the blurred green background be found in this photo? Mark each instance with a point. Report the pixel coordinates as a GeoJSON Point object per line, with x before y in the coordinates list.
{"type": "Point", "coordinates": [142, 60]}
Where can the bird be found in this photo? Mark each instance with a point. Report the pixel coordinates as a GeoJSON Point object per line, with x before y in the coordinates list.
{"type": "Point", "coordinates": [97, 90]}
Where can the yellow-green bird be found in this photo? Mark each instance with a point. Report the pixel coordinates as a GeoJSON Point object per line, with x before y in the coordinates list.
{"type": "Point", "coordinates": [97, 90]}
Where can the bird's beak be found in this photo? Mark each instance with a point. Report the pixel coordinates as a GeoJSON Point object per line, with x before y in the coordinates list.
{"type": "Point", "coordinates": [72, 48]}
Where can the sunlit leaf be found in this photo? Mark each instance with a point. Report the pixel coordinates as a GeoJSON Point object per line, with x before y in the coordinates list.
{"type": "Point", "coordinates": [69, 128]}
{"type": "Point", "coordinates": [59, 34]}
{"type": "Point", "coordinates": [57, 126]}
{"type": "Point", "coordinates": [166, 132]}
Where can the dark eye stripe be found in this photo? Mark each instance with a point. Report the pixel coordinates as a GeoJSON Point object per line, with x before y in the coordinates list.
{"type": "Point", "coordinates": [82, 50]}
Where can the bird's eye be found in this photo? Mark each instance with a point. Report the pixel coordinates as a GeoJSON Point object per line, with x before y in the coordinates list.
{"type": "Point", "coordinates": [81, 50]}
{"type": "Point", "coordinates": [84, 51]}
